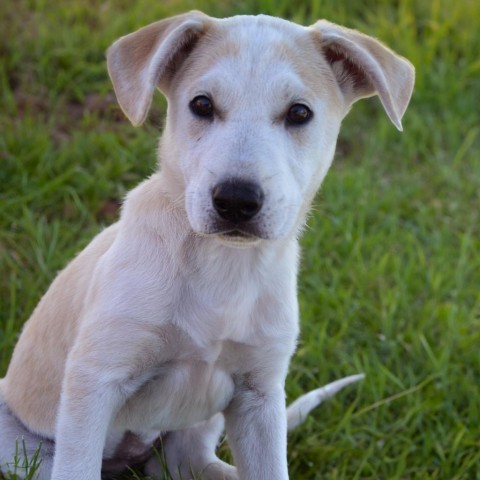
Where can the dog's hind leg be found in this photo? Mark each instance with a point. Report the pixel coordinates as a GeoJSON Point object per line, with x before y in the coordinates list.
{"type": "Point", "coordinates": [190, 453]}
{"type": "Point", "coordinates": [22, 452]}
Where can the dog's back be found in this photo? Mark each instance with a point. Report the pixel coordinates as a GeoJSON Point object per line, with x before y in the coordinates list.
{"type": "Point", "coordinates": [34, 377]}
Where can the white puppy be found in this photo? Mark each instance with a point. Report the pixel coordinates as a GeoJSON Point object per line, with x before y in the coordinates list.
{"type": "Point", "coordinates": [185, 311]}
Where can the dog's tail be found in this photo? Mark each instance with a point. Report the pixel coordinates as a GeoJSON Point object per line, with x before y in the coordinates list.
{"type": "Point", "coordinates": [297, 412]}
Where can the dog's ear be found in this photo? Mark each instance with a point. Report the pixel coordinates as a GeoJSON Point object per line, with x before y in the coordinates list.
{"type": "Point", "coordinates": [139, 62]}
{"type": "Point", "coordinates": [364, 67]}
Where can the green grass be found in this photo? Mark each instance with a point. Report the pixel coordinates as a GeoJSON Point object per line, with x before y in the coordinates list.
{"type": "Point", "coordinates": [391, 265]}
{"type": "Point", "coordinates": [24, 466]}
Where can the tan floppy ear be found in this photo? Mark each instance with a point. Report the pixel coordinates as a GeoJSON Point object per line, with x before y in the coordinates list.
{"type": "Point", "coordinates": [139, 62]}
{"type": "Point", "coordinates": [365, 67]}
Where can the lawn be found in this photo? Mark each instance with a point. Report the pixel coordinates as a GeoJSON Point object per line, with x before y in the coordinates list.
{"type": "Point", "coordinates": [390, 274]}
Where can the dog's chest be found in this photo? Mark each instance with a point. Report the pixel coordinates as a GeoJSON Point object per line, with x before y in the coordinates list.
{"type": "Point", "coordinates": [218, 326]}
{"type": "Point", "coordinates": [198, 381]}
{"type": "Point", "coordinates": [179, 394]}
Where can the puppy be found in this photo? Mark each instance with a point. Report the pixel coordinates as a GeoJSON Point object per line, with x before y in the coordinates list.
{"type": "Point", "coordinates": [184, 313]}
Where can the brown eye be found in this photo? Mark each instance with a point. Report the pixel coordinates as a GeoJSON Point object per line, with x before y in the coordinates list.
{"type": "Point", "coordinates": [298, 114]}
{"type": "Point", "coordinates": [202, 106]}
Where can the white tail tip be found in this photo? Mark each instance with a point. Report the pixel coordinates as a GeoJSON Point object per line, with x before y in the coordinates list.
{"type": "Point", "coordinates": [297, 412]}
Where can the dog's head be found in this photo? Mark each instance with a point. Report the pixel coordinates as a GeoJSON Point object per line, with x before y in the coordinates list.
{"type": "Point", "coordinates": [254, 109]}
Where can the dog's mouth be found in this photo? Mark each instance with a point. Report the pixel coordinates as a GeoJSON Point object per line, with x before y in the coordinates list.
{"type": "Point", "coordinates": [239, 238]}
{"type": "Point", "coordinates": [238, 234]}
{"type": "Point", "coordinates": [242, 234]}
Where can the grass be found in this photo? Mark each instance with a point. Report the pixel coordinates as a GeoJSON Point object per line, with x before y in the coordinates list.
{"type": "Point", "coordinates": [23, 465]}
{"type": "Point", "coordinates": [390, 274]}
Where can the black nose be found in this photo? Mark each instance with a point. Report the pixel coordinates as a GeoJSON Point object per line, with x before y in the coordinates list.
{"type": "Point", "coordinates": [237, 200]}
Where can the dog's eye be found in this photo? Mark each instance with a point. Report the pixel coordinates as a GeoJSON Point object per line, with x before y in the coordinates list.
{"type": "Point", "coordinates": [202, 106]}
{"type": "Point", "coordinates": [298, 114]}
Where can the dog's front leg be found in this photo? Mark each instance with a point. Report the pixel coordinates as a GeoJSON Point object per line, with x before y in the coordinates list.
{"type": "Point", "coordinates": [89, 401]}
{"type": "Point", "coordinates": [102, 371]}
{"type": "Point", "coordinates": [257, 431]}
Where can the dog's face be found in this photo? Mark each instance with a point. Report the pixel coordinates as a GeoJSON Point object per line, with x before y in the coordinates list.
{"type": "Point", "coordinates": [253, 126]}
{"type": "Point", "coordinates": [255, 106]}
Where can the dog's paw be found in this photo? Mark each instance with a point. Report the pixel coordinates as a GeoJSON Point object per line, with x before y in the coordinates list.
{"type": "Point", "coordinates": [219, 470]}
{"type": "Point", "coordinates": [214, 470]}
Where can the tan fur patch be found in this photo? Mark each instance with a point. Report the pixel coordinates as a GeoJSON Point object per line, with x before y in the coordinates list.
{"type": "Point", "coordinates": [46, 341]}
